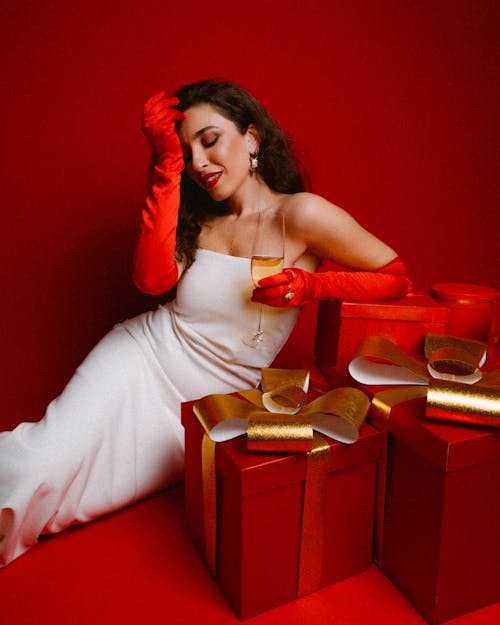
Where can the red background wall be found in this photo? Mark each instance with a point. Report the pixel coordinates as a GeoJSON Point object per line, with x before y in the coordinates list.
{"type": "Point", "coordinates": [393, 105]}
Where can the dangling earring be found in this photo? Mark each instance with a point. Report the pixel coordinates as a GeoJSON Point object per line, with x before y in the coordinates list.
{"type": "Point", "coordinates": [254, 162]}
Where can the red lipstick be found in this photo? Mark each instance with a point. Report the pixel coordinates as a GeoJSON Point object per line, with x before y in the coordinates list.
{"type": "Point", "coordinates": [210, 180]}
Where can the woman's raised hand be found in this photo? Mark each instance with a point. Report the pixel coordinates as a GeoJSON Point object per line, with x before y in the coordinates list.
{"type": "Point", "coordinates": [158, 126]}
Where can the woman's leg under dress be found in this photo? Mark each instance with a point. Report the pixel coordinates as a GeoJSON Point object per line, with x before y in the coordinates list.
{"type": "Point", "coordinates": [111, 437]}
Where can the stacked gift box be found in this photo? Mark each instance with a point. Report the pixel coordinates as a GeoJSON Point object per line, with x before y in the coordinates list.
{"type": "Point", "coordinates": [417, 495]}
{"type": "Point", "coordinates": [438, 486]}
{"type": "Point", "coordinates": [274, 526]}
{"type": "Point", "coordinates": [440, 542]}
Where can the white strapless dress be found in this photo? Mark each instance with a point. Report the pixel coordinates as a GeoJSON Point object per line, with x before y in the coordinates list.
{"type": "Point", "coordinates": [114, 434]}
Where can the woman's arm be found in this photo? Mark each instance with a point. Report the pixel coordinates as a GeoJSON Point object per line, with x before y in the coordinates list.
{"type": "Point", "coordinates": [330, 233]}
{"type": "Point", "coordinates": [155, 270]}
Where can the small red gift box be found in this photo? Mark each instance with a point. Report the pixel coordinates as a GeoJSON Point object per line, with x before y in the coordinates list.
{"type": "Point", "coordinates": [441, 544]}
{"type": "Point", "coordinates": [260, 512]}
{"type": "Point", "coordinates": [343, 324]}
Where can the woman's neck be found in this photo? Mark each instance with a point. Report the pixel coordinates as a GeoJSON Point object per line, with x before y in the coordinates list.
{"type": "Point", "coordinates": [254, 197]}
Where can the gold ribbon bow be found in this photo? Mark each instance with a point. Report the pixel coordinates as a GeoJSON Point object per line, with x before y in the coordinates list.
{"type": "Point", "coordinates": [338, 414]}
{"type": "Point", "coordinates": [378, 361]}
{"type": "Point", "coordinates": [455, 362]}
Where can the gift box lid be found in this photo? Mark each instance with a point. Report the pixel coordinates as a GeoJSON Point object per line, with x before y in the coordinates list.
{"type": "Point", "coordinates": [252, 472]}
{"type": "Point", "coordinates": [450, 446]}
{"type": "Point", "coordinates": [461, 293]}
{"type": "Point", "coordinates": [411, 308]}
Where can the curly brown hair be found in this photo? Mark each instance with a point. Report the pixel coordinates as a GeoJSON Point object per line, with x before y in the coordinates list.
{"type": "Point", "coordinates": [278, 166]}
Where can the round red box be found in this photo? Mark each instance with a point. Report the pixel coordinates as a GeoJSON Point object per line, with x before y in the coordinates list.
{"type": "Point", "coordinates": [470, 308]}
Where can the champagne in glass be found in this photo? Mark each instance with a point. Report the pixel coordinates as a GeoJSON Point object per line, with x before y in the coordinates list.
{"type": "Point", "coordinates": [263, 266]}
{"type": "Point", "coordinates": [267, 260]}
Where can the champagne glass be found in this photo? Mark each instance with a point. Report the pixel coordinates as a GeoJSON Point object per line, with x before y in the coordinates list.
{"type": "Point", "coordinates": [267, 260]}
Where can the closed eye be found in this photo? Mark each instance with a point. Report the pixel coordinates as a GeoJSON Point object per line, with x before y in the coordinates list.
{"type": "Point", "coordinates": [208, 143]}
{"type": "Point", "coordinates": [208, 140]}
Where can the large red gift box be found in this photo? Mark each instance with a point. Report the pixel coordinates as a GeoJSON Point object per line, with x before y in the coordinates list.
{"type": "Point", "coordinates": [441, 544]}
{"type": "Point", "coordinates": [343, 324]}
{"type": "Point", "coordinates": [260, 500]}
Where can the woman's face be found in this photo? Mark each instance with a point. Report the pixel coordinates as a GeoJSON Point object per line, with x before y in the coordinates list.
{"type": "Point", "coordinates": [216, 154]}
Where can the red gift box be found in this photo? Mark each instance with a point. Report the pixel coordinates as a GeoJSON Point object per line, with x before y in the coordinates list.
{"type": "Point", "coordinates": [343, 324]}
{"type": "Point", "coordinates": [441, 544]}
{"type": "Point", "coordinates": [260, 500]}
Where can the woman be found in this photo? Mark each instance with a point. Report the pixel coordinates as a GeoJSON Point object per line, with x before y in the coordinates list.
{"type": "Point", "coordinates": [114, 433]}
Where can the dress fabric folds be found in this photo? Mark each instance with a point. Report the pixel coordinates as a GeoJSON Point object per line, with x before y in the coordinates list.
{"type": "Point", "coordinates": [114, 434]}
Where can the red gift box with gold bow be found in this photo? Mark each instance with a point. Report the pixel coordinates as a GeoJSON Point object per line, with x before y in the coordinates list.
{"type": "Point", "coordinates": [438, 486]}
{"type": "Point", "coordinates": [276, 525]}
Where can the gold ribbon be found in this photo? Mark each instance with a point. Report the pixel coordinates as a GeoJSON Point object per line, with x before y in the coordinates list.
{"type": "Point", "coordinates": [382, 404]}
{"type": "Point", "coordinates": [452, 401]}
{"type": "Point", "coordinates": [448, 398]}
{"type": "Point", "coordinates": [313, 514]}
{"type": "Point", "coordinates": [209, 481]}
{"type": "Point", "coordinates": [378, 361]}
{"type": "Point", "coordinates": [338, 414]}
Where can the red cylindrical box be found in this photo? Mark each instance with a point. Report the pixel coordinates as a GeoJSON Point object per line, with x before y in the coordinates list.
{"type": "Point", "coordinates": [470, 308]}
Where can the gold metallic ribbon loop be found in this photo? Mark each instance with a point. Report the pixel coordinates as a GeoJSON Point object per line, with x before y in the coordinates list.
{"type": "Point", "coordinates": [378, 361]}
{"type": "Point", "coordinates": [266, 431]}
{"type": "Point", "coordinates": [454, 359]}
{"type": "Point", "coordinates": [453, 401]}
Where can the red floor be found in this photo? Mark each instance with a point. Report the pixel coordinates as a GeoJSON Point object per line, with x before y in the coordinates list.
{"type": "Point", "coordinates": [138, 567]}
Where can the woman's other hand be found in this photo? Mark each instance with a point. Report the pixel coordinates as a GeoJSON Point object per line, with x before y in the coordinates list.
{"type": "Point", "coordinates": [158, 126]}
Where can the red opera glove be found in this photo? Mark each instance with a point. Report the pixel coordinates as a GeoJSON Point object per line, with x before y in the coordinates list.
{"type": "Point", "coordinates": [296, 287]}
{"type": "Point", "coordinates": [155, 269]}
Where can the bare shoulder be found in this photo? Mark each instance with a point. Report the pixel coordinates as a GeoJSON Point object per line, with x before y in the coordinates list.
{"type": "Point", "coordinates": [330, 232]}
{"type": "Point", "coordinates": [308, 210]}
{"type": "Point", "coordinates": [304, 199]}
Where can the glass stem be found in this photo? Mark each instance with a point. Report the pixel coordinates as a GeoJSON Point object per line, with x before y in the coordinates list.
{"type": "Point", "coordinates": [259, 324]}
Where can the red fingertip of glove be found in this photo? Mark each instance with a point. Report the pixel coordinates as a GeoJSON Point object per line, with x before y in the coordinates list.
{"type": "Point", "coordinates": [150, 102]}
